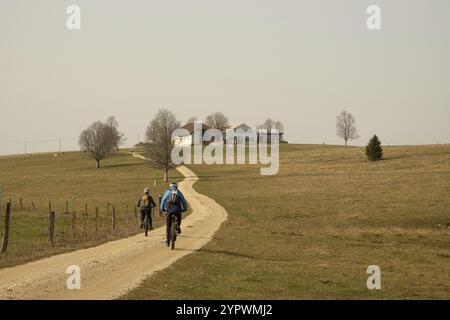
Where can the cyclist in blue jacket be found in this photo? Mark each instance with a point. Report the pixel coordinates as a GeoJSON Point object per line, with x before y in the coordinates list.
{"type": "Point", "coordinates": [173, 203]}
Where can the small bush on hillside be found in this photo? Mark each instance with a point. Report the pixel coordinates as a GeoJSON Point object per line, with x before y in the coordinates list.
{"type": "Point", "coordinates": [374, 151]}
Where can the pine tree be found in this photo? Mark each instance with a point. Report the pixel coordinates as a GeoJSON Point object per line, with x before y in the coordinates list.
{"type": "Point", "coordinates": [374, 151]}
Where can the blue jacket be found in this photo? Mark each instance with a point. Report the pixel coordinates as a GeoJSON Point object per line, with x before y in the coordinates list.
{"type": "Point", "coordinates": [164, 198]}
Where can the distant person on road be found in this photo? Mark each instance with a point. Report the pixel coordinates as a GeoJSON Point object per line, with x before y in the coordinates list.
{"type": "Point", "coordinates": [173, 203]}
{"type": "Point", "coordinates": [146, 204]}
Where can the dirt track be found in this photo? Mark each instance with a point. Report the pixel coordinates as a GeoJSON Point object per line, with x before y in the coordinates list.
{"type": "Point", "coordinates": [111, 269]}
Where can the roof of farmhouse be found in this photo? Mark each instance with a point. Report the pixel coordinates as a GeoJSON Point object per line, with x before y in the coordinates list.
{"type": "Point", "coordinates": [190, 127]}
{"type": "Point", "coordinates": [239, 125]}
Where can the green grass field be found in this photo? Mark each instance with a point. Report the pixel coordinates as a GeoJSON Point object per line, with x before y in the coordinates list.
{"type": "Point", "coordinates": [312, 230]}
{"type": "Point", "coordinates": [71, 177]}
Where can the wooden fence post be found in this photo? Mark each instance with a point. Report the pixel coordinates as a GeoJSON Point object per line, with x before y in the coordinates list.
{"type": "Point", "coordinates": [74, 221]}
{"type": "Point", "coordinates": [21, 204]}
{"type": "Point", "coordinates": [6, 231]}
{"type": "Point", "coordinates": [96, 219]}
{"type": "Point", "coordinates": [51, 229]}
{"type": "Point", "coordinates": [85, 225]}
{"type": "Point", "coordinates": [1, 197]}
{"type": "Point", "coordinates": [32, 206]}
{"type": "Point", "coordinates": [114, 218]}
{"type": "Point", "coordinates": [85, 209]}
{"type": "Point", "coordinates": [67, 207]}
{"type": "Point", "coordinates": [108, 209]}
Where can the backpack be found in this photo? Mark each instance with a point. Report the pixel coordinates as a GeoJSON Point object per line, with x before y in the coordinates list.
{"type": "Point", "coordinates": [173, 202]}
{"type": "Point", "coordinates": [145, 201]}
{"type": "Point", "coordinates": [174, 197]}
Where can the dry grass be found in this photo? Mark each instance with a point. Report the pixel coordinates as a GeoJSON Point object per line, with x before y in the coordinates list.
{"type": "Point", "coordinates": [312, 230]}
{"type": "Point", "coordinates": [71, 177]}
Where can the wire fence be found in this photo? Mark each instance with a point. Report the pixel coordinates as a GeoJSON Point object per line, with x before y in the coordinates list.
{"type": "Point", "coordinates": [63, 222]}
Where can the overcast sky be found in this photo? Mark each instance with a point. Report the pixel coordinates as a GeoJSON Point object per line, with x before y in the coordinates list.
{"type": "Point", "coordinates": [300, 62]}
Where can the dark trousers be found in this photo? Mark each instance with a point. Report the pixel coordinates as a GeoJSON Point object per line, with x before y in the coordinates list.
{"type": "Point", "coordinates": [169, 222]}
{"type": "Point", "coordinates": [149, 213]}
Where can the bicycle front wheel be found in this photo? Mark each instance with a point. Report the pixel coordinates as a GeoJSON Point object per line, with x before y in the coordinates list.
{"type": "Point", "coordinates": [173, 234]}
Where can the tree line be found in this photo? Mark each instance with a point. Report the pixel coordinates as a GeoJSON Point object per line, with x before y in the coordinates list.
{"type": "Point", "coordinates": [102, 138]}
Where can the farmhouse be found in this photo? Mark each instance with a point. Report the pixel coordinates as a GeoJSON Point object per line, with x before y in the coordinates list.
{"type": "Point", "coordinates": [261, 133]}
{"type": "Point", "coordinates": [239, 127]}
{"type": "Point", "coordinates": [194, 135]}
{"type": "Point", "coordinates": [187, 140]}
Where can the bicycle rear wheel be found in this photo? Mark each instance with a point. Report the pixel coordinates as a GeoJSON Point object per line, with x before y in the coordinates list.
{"type": "Point", "coordinates": [173, 233]}
{"type": "Point", "coordinates": [146, 225]}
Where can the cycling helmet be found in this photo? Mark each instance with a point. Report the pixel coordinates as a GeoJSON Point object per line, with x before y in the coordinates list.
{"type": "Point", "coordinates": [173, 185]}
{"type": "Point", "coordinates": [147, 190]}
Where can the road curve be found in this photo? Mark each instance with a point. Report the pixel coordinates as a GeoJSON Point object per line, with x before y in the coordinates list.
{"type": "Point", "coordinates": [112, 269]}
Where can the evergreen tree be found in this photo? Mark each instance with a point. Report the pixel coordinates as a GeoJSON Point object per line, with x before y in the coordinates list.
{"type": "Point", "coordinates": [374, 151]}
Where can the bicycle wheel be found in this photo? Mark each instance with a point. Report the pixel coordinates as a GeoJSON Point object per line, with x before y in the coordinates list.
{"type": "Point", "coordinates": [146, 225]}
{"type": "Point", "coordinates": [173, 233]}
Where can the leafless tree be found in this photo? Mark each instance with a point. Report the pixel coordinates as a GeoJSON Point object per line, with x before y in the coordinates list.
{"type": "Point", "coordinates": [270, 124]}
{"type": "Point", "coordinates": [159, 133]}
{"type": "Point", "coordinates": [101, 138]}
{"type": "Point", "coordinates": [217, 121]}
{"type": "Point", "coordinates": [346, 126]}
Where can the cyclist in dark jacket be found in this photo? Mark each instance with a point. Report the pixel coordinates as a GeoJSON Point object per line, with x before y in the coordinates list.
{"type": "Point", "coordinates": [146, 204]}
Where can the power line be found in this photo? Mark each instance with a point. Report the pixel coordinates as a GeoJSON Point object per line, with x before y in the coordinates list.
{"type": "Point", "coordinates": [38, 141]}
{"type": "Point", "coordinates": [27, 143]}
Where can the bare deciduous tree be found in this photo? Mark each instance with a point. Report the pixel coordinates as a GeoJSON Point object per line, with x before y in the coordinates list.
{"type": "Point", "coordinates": [159, 134]}
{"type": "Point", "coordinates": [100, 139]}
{"type": "Point", "coordinates": [217, 121]}
{"type": "Point", "coordinates": [346, 126]}
{"type": "Point", "coordinates": [270, 124]}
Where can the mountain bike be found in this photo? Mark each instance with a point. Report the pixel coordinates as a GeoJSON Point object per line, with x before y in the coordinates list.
{"type": "Point", "coordinates": [173, 231]}
{"type": "Point", "coordinates": [147, 222]}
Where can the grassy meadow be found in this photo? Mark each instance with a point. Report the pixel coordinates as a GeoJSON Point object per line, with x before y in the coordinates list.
{"type": "Point", "coordinates": [73, 178]}
{"type": "Point", "coordinates": [311, 231]}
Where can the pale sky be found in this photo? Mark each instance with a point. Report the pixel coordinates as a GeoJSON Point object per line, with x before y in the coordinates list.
{"type": "Point", "coordinates": [300, 62]}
